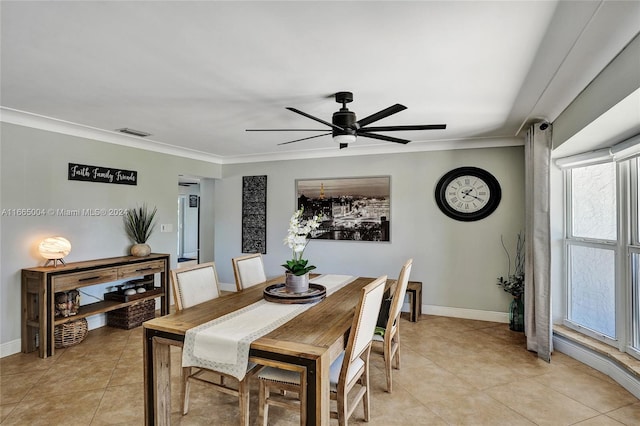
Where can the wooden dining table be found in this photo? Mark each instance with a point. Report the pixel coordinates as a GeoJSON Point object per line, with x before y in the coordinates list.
{"type": "Point", "coordinates": [311, 342]}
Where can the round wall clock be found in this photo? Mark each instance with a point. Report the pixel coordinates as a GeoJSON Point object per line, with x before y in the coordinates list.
{"type": "Point", "coordinates": [468, 193]}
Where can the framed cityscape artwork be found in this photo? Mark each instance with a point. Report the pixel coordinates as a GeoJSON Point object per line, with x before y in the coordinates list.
{"type": "Point", "coordinates": [354, 209]}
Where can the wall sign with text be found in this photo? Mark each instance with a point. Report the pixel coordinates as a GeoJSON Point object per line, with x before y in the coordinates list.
{"type": "Point", "coordinates": [88, 173]}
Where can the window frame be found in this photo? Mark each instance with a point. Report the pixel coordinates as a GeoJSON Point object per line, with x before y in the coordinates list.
{"type": "Point", "coordinates": [633, 258]}
{"type": "Point", "coordinates": [626, 251]}
{"type": "Point", "coordinates": [571, 240]}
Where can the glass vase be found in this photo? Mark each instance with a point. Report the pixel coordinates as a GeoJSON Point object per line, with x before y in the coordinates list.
{"type": "Point", "coordinates": [516, 314]}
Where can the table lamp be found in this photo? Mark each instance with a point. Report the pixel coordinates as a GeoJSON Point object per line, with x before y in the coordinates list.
{"type": "Point", "coordinates": [54, 249]}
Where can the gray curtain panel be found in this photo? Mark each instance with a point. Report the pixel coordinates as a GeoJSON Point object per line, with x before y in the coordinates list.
{"type": "Point", "coordinates": [537, 324]}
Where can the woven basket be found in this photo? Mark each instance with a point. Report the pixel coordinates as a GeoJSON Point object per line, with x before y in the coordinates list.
{"type": "Point", "coordinates": [70, 333]}
{"type": "Point", "coordinates": [133, 315]}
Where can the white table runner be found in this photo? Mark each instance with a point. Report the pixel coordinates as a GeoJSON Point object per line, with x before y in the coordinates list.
{"type": "Point", "coordinates": [223, 343]}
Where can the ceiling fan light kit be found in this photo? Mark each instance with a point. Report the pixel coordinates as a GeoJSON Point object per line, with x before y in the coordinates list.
{"type": "Point", "coordinates": [344, 140]}
{"type": "Point", "coordinates": [345, 128]}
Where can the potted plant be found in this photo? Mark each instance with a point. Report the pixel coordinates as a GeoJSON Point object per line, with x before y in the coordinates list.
{"type": "Point", "coordinates": [514, 284]}
{"type": "Point", "coordinates": [139, 224]}
{"type": "Point", "coordinates": [297, 269]}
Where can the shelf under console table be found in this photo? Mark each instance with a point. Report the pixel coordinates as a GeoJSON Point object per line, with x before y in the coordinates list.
{"type": "Point", "coordinates": [40, 284]}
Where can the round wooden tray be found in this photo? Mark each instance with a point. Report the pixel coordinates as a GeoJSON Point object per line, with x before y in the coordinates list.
{"type": "Point", "coordinates": [277, 293]}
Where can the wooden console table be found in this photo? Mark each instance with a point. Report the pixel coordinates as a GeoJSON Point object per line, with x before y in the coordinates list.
{"type": "Point", "coordinates": [40, 284]}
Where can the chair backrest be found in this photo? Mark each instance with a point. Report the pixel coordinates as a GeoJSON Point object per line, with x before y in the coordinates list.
{"type": "Point", "coordinates": [194, 285]}
{"type": "Point", "coordinates": [248, 270]}
{"type": "Point", "coordinates": [364, 322]}
{"type": "Point", "coordinates": [398, 295]}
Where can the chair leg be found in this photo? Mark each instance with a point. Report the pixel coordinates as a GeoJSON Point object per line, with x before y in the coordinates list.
{"type": "Point", "coordinates": [343, 408]}
{"type": "Point", "coordinates": [186, 372]}
{"type": "Point", "coordinates": [263, 406]}
{"type": "Point", "coordinates": [387, 363]}
{"type": "Point", "coordinates": [302, 395]}
{"type": "Point", "coordinates": [243, 395]}
{"type": "Point", "coordinates": [366, 400]}
{"type": "Point", "coordinates": [396, 338]}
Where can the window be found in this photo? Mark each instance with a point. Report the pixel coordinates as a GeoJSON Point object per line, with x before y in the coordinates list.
{"type": "Point", "coordinates": [591, 249]}
{"type": "Point", "coordinates": [603, 251]}
{"type": "Point", "coordinates": [634, 255]}
{"type": "Point", "coordinates": [593, 297]}
{"type": "Point", "coordinates": [593, 202]}
{"type": "Point", "coordinates": [635, 323]}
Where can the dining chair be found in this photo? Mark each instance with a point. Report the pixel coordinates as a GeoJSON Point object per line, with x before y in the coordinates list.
{"type": "Point", "coordinates": [248, 270]}
{"type": "Point", "coordinates": [349, 369]}
{"type": "Point", "coordinates": [389, 336]}
{"type": "Point", "coordinates": [191, 286]}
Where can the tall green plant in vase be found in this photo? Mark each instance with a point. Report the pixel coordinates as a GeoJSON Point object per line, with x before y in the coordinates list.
{"type": "Point", "coordinates": [139, 224]}
{"type": "Point", "coordinates": [514, 284]}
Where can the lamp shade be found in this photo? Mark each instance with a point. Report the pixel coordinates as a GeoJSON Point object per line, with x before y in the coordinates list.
{"type": "Point", "coordinates": [54, 248]}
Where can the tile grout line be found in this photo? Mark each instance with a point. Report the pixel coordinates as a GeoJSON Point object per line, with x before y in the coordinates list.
{"type": "Point", "coordinates": [104, 390]}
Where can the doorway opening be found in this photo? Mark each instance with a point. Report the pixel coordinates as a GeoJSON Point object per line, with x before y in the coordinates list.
{"type": "Point", "coordinates": [188, 247]}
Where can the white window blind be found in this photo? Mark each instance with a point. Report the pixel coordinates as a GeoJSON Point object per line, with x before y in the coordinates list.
{"type": "Point", "coordinates": [624, 150]}
{"type": "Point", "coordinates": [627, 149]}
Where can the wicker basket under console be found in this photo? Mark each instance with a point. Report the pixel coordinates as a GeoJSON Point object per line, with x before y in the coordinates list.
{"type": "Point", "coordinates": [70, 333]}
{"type": "Point", "coordinates": [133, 315]}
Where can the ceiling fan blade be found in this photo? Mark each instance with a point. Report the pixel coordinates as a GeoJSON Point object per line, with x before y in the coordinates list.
{"type": "Point", "coordinates": [285, 130]}
{"type": "Point", "coordinates": [381, 114]}
{"type": "Point", "coordinates": [395, 128]}
{"type": "Point", "coordinates": [297, 111]}
{"type": "Point", "coordinates": [383, 138]}
{"type": "Point", "coordinates": [304, 139]}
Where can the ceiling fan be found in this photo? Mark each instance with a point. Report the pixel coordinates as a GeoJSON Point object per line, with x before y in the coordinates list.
{"type": "Point", "coordinates": [345, 128]}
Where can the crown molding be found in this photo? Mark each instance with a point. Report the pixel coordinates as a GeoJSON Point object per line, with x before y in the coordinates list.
{"type": "Point", "coordinates": [22, 118]}
{"type": "Point", "coordinates": [36, 121]}
{"type": "Point", "coordinates": [360, 150]}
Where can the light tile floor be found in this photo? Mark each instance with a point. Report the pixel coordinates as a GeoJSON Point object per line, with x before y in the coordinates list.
{"type": "Point", "coordinates": [453, 372]}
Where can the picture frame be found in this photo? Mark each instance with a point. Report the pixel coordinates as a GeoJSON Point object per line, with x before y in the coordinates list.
{"type": "Point", "coordinates": [254, 214]}
{"type": "Point", "coordinates": [352, 208]}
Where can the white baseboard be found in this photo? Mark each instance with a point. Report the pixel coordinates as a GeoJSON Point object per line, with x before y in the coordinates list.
{"type": "Point", "coordinates": [10, 348]}
{"type": "Point", "coordinates": [96, 321]}
{"type": "Point", "coordinates": [473, 314]}
{"type": "Point", "coordinates": [599, 362]}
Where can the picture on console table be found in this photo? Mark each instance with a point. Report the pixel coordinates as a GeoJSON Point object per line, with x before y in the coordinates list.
{"type": "Point", "coordinates": [354, 209]}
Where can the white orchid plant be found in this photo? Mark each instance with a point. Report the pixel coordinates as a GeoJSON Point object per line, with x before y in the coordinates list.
{"type": "Point", "coordinates": [297, 240]}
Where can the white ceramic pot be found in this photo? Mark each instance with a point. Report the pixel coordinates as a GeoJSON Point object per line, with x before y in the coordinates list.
{"type": "Point", "coordinates": [296, 283]}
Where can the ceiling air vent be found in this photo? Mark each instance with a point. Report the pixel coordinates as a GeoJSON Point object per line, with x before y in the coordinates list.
{"type": "Point", "coordinates": [134, 132]}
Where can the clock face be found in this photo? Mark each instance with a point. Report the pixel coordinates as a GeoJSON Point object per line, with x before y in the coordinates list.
{"type": "Point", "coordinates": [468, 193]}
